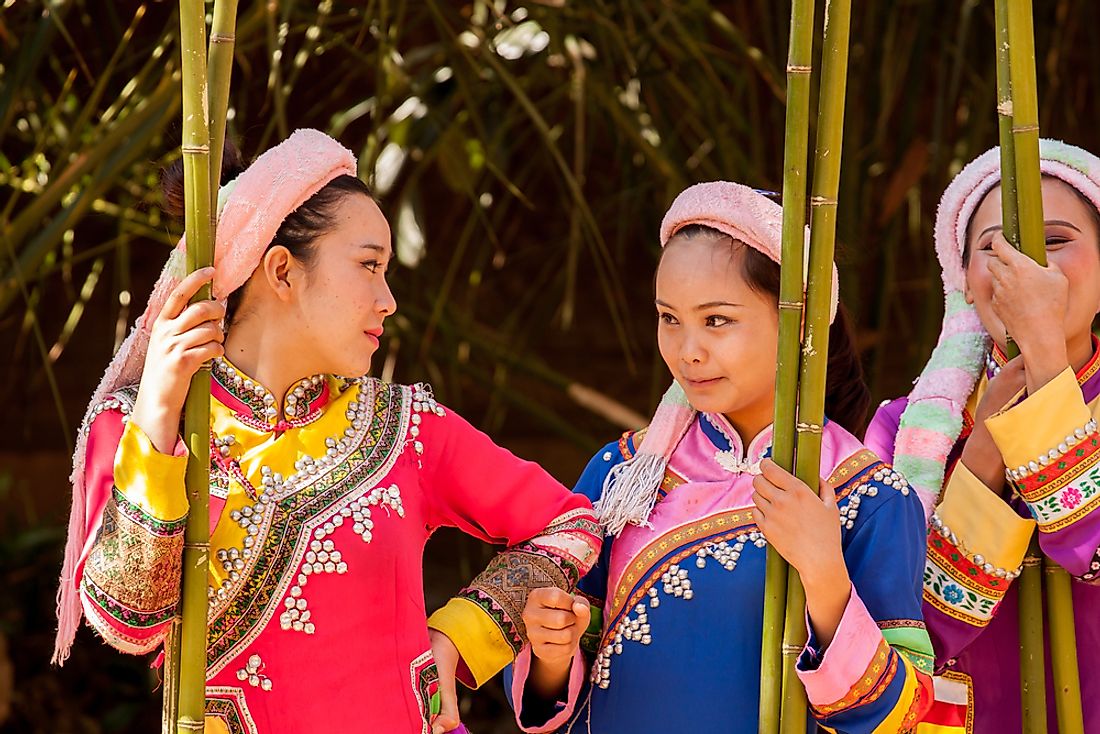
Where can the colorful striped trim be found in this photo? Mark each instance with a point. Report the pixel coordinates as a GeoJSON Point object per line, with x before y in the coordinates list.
{"type": "Point", "coordinates": [875, 680]}
{"type": "Point", "coordinates": [956, 600]}
{"type": "Point", "coordinates": [962, 569]}
{"type": "Point", "coordinates": [1063, 470]}
{"type": "Point", "coordinates": [137, 513]}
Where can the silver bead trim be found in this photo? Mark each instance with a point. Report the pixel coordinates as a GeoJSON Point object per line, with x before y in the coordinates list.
{"type": "Point", "coordinates": [1025, 470]}
{"type": "Point", "coordinates": [937, 525]}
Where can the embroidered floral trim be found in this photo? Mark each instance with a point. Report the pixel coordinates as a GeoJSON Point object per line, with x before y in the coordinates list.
{"type": "Point", "coordinates": [136, 570]}
{"type": "Point", "coordinates": [135, 618]}
{"type": "Point", "coordinates": [228, 704]}
{"type": "Point", "coordinates": [501, 589]}
{"type": "Point", "coordinates": [956, 598]}
{"type": "Point", "coordinates": [424, 678]}
{"type": "Point", "coordinates": [1093, 574]}
{"type": "Point", "coordinates": [875, 680]}
{"type": "Point", "coordinates": [1070, 496]}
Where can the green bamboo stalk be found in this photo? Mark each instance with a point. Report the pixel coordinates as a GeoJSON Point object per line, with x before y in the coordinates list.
{"type": "Point", "coordinates": [815, 342]}
{"type": "Point", "coordinates": [197, 199]}
{"type": "Point", "coordinates": [1033, 695]}
{"type": "Point", "coordinates": [1063, 649]}
{"type": "Point", "coordinates": [220, 61]}
{"type": "Point", "coordinates": [1025, 130]}
{"type": "Point", "coordinates": [1004, 118]}
{"type": "Point", "coordinates": [1032, 242]}
{"type": "Point", "coordinates": [795, 152]}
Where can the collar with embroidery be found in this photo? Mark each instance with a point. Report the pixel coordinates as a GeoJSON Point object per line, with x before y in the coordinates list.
{"type": "Point", "coordinates": [729, 454]}
{"type": "Point", "coordinates": [256, 406]}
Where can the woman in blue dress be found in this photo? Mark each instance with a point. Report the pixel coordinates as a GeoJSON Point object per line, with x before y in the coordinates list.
{"type": "Point", "coordinates": [666, 634]}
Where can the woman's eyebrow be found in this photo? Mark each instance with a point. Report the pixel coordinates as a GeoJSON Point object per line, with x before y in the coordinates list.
{"type": "Point", "coordinates": [1058, 222]}
{"type": "Point", "coordinates": [701, 306]}
{"type": "Point", "coordinates": [1063, 223]}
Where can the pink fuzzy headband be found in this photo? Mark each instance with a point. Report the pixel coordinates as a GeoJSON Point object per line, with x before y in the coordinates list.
{"type": "Point", "coordinates": [255, 205]}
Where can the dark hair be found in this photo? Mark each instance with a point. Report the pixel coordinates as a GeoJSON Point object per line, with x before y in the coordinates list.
{"type": "Point", "coordinates": [1092, 210]}
{"type": "Point", "coordinates": [846, 395]}
{"type": "Point", "coordinates": [297, 232]}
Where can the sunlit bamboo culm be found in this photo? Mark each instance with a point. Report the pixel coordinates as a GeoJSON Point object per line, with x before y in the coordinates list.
{"type": "Point", "coordinates": [803, 333]}
{"type": "Point", "coordinates": [1022, 214]}
{"type": "Point", "coordinates": [203, 124]}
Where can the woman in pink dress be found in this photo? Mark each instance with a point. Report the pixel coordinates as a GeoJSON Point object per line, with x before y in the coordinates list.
{"type": "Point", "coordinates": [325, 484]}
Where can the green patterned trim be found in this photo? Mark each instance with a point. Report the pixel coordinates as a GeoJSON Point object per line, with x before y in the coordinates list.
{"type": "Point", "coordinates": [138, 514]}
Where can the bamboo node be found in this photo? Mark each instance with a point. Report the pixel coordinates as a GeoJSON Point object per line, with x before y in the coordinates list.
{"type": "Point", "coordinates": [1031, 561]}
{"type": "Point", "coordinates": [807, 427]}
{"type": "Point", "coordinates": [792, 649]}
{"type": "Point", "coordinates": [196, 149]}
{"type": "Point", "coordinates": [799, 69]}
{"type": "Point", "coordinates": [822, 201]}
{"type": "Point", "coordinates": [1025, 128]}
{"type": "Point", "coordinates": [222, 38]}
{"type": "Point", "coordinates": [794, 305]}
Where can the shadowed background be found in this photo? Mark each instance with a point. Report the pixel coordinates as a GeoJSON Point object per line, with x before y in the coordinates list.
{"type": "Point", "coordinates": [524, 154]}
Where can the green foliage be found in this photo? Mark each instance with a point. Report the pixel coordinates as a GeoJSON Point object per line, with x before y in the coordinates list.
{"type": "Point", "coordinates": [524, 153]}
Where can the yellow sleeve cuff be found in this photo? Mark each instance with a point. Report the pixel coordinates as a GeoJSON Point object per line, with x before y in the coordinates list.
{"type": "Point", "coordinates": [477, 637]}
{"type": "Point", "coordinates": [150, 479]}
{"type": "Point", "coordinates": [1040, 422]}
{"type": "Point", "coordinates": [983, 522]}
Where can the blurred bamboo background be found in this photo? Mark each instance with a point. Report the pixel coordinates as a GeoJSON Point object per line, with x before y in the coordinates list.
{"type": "Point", "coordinates": [524, 153]}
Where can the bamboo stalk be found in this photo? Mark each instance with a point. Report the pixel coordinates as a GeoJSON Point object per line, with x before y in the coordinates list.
{"type": "Point", "coordinates": [1033, 695]}
{"type": "Point", "coordinates": [197, 199]}
{"type": "Point", "coordinates": [1026, 178]}
{"type": "Point", "coordinates": [815, 342]}
{"type": "Point", "coordinates": [220, 61]}
{"type": "Point", "coordinates": [795, 152]}
{"type": "Point", "coordinates": [1063, 649]}
{"type": "Point", "coordinates": [1004, 119]}
{"type": "Point", "coordinates": [1025, 131]}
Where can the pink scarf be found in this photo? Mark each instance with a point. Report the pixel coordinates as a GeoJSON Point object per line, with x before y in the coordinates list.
{"type": "Point", "coordinates": [251, 209]}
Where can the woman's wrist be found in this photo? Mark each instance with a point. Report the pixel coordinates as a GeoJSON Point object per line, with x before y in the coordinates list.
{"type": "Point", "coordinates": [159, 422]}
{"type": "Point", "coordinates": [548, 679]}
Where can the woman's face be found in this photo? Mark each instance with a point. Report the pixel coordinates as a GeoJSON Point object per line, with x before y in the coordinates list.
{"type": "Point", "coordinates": [717, 335]}
{"type": "Point", "coordinates": [344, 297]}
{"type": "Point", "coordinates": [1072, 241]}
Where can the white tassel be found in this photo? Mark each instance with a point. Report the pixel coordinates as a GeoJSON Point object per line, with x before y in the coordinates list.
{"type": "Point", "coordinates": [630, 492]}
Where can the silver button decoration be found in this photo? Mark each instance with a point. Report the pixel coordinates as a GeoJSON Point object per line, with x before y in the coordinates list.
{"type": "Point", "coordinates": [324, 557]}
{"type": "Point", "coordinates": [676, 583]}
{"type": "Point", "coordinates": [251, 673]}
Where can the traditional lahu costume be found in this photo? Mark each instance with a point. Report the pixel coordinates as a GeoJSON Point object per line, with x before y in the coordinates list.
{"type": "Point", "coordinates": [318, 518]}
{"type": "Point", "coordinates": [677, 594]}
{"type": "Point", "coordinates": [977, 539]}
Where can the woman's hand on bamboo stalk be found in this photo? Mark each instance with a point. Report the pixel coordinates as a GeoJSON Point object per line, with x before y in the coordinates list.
{"type": "Point", "coordinates": [555, 621]}
{"type": "Point", "coordinates": [804, 527]}
{"type": "Point", "coordinates": [446, 658]}
{"type": "Point", "coordinates": [980, 454]}
{"type": "Point", "coordinates": [1031, 301]}
{"type": "Point", "coordinates": [184, 336]}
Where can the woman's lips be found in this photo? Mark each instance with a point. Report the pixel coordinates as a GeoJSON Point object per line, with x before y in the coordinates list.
{"type": "Point", "coordinates": [374, 334]}
{"type": "Point", "coordinates": [703, 383]}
